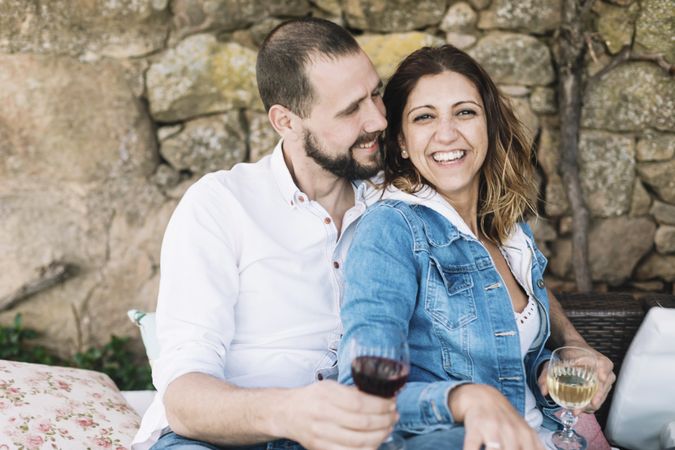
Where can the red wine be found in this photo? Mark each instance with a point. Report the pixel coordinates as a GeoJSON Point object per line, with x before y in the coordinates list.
{"type": "Point", "coordinates": [379, 376]}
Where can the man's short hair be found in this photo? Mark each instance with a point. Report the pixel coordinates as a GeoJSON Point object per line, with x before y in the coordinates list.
{"type": "Point", "coordinates": [285, 54]}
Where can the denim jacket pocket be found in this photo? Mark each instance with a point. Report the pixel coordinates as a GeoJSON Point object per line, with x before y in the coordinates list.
{"type": "Point", "coordinates": [451, 306]}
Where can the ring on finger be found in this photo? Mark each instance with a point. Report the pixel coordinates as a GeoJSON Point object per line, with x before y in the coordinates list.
{"type": "Point", "coordinates": [492, 444]}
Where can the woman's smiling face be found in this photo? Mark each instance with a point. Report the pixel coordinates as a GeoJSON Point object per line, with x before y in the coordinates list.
{"type": "Point", "coordinates": [444, 133]}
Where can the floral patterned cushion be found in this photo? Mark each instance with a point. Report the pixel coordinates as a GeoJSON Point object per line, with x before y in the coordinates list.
{"type": "Point", "coordinates": [48, 407]}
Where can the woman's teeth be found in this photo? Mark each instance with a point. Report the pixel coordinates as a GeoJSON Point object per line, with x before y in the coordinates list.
{"type": "Point", "coordinates": [448, 156]}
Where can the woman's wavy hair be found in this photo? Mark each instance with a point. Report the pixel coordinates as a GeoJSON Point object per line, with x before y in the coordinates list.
{"type": "Point", "coordinates": [508, 190]}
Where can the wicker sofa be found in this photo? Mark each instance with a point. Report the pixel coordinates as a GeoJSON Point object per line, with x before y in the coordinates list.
{"type": "Point", "coordinates": [609, 321]}
{"type": "Point", "coordinates": [73, 408]}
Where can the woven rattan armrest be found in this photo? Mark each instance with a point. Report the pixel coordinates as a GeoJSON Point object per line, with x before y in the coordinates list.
{"type": "Point", "coordinates": [608, 322]}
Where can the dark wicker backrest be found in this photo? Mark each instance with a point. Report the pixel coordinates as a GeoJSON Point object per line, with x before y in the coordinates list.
{"type": "Point", "coordinates": [608, 322]}
{"type": "Point", "coordinates": [652, 300]}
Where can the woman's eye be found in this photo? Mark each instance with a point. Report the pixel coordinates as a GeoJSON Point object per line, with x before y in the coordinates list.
{"type": "Point", "coordinates": [466, 112]}
{"type": "Point", "coordinates": [421, 117]}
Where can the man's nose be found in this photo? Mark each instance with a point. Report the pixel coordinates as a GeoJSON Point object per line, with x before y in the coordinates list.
{"type": "Point", "coordinates": [376, 120]}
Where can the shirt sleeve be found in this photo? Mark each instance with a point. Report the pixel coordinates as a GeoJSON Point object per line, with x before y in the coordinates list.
{"type": "Point", "coordinates": [381, 287]}
{"type": "Point", "coordinates": [199, 286]}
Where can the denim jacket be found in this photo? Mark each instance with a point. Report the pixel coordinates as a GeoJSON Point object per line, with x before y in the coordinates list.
{"type": "Point", "coordinates": [410, 269]}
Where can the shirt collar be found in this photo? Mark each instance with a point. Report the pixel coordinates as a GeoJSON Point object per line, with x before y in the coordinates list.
{"type": "Point", "coordinates": [362, 189]}
{"type": "Point", "coordinates": [293, 195]}
{"type": "Point", "coordinates": [282, 176]}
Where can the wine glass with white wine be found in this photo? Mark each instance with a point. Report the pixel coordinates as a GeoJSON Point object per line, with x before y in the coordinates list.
{"type": "Point", "coordinates": [572, 380]}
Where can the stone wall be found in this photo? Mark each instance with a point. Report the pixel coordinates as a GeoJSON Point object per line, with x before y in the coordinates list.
{"type": "Point", "coordinates": [110, 109]}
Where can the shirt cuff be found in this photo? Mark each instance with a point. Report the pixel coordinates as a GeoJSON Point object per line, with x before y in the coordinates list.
{"type": "Point", "coordinates": [188, 358]}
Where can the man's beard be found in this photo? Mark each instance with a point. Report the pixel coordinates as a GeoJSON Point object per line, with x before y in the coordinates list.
{"type": "Point", "coordinates": [344, 166]}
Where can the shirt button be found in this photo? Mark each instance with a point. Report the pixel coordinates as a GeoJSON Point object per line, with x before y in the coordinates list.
{"type": "Point", "coordinates": [301, 199]}
{"type": "Point", "coordinates": [540, 283]}
{"type": "Point", "coordinates": [336, 264]}
{"type": "Point", "coordinates": [327, 220]}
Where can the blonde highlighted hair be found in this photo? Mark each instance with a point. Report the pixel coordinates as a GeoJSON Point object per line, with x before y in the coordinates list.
{"type": "Point", "coordinates": [508, 191]}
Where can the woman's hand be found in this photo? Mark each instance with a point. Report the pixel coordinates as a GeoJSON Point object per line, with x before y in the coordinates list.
{"type": "Point", "coordinates": [490, 420]}
{"type": "Point", "coordinates": [606, 379]}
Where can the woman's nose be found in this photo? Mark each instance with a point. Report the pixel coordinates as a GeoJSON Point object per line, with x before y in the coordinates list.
{"type": "Point", "coordinates": [447, 130]}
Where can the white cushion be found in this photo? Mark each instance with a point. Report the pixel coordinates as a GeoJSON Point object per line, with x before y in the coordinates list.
{"type": "Point", "coordinates": [146, 322]}
{"type": "Point", "coordinates": [668, 436]}
{"type": "Point", "coordinates": [644, 395]}
{"type": "Point", "coordinates": [139, 400]}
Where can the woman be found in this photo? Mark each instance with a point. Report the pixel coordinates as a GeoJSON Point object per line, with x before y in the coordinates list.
{"type": "Point", "coordinates": [447, 260]}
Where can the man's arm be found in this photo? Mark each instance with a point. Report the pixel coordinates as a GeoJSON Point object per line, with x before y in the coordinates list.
{"type": "Point", "coordinates": [323, 415]}
{"type": "Point", "coordinates": [563, 333]}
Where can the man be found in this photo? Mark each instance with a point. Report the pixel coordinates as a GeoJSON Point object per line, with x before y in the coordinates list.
{"type": "Point", "coordinates": [248, 310]}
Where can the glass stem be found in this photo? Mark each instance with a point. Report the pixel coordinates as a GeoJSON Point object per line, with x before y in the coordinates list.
{"type": "Point", "coordinates": [568, 420]}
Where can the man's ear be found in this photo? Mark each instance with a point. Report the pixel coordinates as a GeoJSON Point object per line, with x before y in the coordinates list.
{"type": "Point", "coordinates": [285, 122]}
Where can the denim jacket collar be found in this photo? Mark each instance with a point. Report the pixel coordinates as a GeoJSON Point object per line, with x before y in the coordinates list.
{"type": "Point", "coordinates": [517, 250]}
{"type": "Point", "coordinates": [433, 200]}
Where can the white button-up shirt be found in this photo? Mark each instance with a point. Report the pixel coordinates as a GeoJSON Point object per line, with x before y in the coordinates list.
{"type": "Point", "coordinates": [251, 284]}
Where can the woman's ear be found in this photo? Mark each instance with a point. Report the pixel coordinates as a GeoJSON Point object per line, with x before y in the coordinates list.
{"type": "Point", "coordinates": [285, 122]}
{"type": "Point", "coordinates": [401, 144]}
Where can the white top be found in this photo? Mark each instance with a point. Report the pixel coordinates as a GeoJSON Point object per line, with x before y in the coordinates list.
{"type": "Point", "coordinates": [528, 326]}
{"type": "Point", "coordinates": [251, 283]}
{"type": "Point", "coordinates": [528, 321]}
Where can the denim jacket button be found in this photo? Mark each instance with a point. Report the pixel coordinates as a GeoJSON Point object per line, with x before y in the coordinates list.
{"type": "Point", "coordinates": [540, 283]}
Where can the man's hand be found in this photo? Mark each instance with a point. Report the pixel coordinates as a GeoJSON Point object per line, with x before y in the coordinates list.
{"type": "Point", "coordinates": [330, 416]}
{"type": "Point", "coordinates": [490, 420]}
{"type": "Point", "coordinates": [606, 378]}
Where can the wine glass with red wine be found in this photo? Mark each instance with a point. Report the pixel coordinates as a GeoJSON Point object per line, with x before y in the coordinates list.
{"type": "Point", "coordinates": [380, 366]}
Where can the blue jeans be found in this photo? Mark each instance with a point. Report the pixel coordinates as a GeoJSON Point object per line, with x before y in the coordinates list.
{"type": "Point", "coordinates": [452, 439]}
{"type": "Point", "coordinates": [173, 441]}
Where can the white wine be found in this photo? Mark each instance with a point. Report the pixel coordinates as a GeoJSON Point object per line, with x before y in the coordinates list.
{"type": "Point", "coordinates": [571, 387]}
{"type": "Point", "coordinates": [572, 381]}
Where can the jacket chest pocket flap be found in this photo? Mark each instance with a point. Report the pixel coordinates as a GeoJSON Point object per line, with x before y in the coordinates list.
{"type": "Point", "coordinates": [450, 298]}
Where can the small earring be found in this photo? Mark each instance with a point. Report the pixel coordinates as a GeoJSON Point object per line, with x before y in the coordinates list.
{"type": "Point", "coordinates": [404, 153]}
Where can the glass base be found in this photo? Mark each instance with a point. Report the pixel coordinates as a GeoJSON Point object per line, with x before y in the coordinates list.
{"type": "Point", "coordinates": [568, 441]}
{"type": "Point", "coordinates": [393, 442]}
